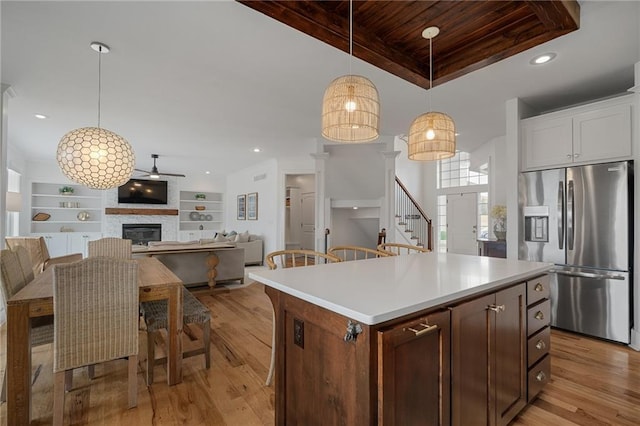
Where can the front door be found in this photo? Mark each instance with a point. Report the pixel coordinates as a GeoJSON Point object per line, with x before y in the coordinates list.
{"type": "Point", "coordinates": [462, 223]}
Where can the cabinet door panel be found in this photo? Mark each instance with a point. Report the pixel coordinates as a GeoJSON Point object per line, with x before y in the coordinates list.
{"type": "Point", "coordinates": [602, 134]}
{"type": "Point", "coordinates": [547, 142]}
{"type": "Point", "coordinates": [510, 353]}
{"type": "Point", "coordinates": [470, 362]}
{"type": "Point", "coordinates": [414, 377]}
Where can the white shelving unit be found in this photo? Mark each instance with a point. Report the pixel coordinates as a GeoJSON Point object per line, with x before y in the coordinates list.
{"type": "Point", "coordinates": [209, 220]}
{"type": "Point", "coordinates": [64, 210]}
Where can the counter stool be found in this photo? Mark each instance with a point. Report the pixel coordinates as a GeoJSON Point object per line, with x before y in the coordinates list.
{"type": "Point", "coordinates": [155, 318]}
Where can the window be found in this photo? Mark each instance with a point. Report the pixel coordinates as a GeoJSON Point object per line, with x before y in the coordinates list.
{"type": "Point", "coordinates": [13, 218]}
{"type": "Point", "coordinates": [454, 172]}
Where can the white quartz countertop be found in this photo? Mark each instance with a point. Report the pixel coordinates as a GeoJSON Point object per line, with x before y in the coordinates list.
{"type": "Point", "coordinates": [377, 290]}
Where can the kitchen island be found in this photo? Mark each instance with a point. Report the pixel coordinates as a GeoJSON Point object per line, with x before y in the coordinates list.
{"type": "Point", "coordinates": [426, 338]}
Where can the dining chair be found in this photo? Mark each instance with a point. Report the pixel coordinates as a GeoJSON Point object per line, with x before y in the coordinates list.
{"type": "Point", "coordinates": [399, 248]}
{"type": "Point", "coordinates": [357, 253]}
{"type": "Point", "coordinates": [39, 253]}
{"type": "Point", "coordinates": [110, 247]}
{"type": "Point", "coordinates": [95, 301]}
{"type": "Point", "coordinates": [292, 258]}
{"type": "Point", "coordinates": [15, 273]}
{"type": "Point", "coordinates": [155, 318]}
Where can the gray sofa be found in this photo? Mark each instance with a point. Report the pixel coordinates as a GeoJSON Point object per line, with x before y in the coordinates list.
{"type": "Point", "coordinates": [189, 260]}
{"type": "Point", "coordinates": [252, 245]}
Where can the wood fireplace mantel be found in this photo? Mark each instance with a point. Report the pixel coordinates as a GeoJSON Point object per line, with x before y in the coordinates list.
{"type": "Point", "coordinates": [148, 212]}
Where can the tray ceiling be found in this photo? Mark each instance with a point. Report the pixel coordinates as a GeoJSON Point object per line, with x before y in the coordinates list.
{"type": "Point", "coordinates": [388, 34]}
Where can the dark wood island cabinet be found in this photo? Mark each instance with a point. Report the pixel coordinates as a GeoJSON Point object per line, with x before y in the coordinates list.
{"type": "Point", "coordinates": [456, 354]}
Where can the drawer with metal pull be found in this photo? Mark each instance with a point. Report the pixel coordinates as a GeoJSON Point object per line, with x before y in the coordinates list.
{"type": "Point", "coordinates": [537, 289]}
{"type": "Point", "coordinates": [538, 316]}
{"type": "Point", "coordinates": [539, 375]}
{"type": "Point", "coordinates": [538, 345]}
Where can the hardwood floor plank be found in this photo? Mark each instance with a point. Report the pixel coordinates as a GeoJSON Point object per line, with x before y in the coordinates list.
{"type": "Point", "coordinates": [593, 382]}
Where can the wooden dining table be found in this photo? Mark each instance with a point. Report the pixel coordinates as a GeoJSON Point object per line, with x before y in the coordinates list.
{"type": "Point", "coordinates": [156, 282]}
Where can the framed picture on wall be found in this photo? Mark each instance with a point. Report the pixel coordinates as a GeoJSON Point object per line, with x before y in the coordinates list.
{"type": "Point", "coordinates": [252, 206]}
{"type": "Point", "coordinates": [242, 215]}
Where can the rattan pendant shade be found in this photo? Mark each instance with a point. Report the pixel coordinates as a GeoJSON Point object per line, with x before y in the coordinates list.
{"type": "Point", "coordinates": [93, 156]}
{"type": "Point", "coordinates": [351, 110]}
{"type": "Point", "coordinates": [432, 136]}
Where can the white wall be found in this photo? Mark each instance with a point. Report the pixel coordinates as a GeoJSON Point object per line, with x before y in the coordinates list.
{"type": "Point", "coordinates": [263, 179]}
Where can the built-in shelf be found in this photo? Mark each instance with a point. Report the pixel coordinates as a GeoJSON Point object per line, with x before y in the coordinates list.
{"type": "Point", "coordinates": [64, 208]}
{"type": "Point", "coordinates": [147, 212]}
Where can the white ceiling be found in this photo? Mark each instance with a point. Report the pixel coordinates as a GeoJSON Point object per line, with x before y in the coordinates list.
{"type": "Point", "coordinates": [202, 83]}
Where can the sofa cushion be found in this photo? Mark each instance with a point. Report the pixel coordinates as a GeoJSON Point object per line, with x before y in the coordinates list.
{"type": "Point", "coordinates": [243, 237]}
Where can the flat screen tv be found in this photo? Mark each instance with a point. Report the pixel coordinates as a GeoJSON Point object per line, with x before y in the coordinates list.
{"type": "Point", "coordinates": [141, 191]}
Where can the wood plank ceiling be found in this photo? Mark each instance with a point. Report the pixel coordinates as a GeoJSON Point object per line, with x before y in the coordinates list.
{"type": "Point", "coordinates": [388, 34]}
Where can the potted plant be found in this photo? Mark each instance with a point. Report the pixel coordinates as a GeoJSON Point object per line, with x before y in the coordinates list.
{"type": "Point", "coordinates": [499, 215]}
{"type": "Point", "coordinates": [66, 190]}
{"type": "Point", "coordinates": [200, 196]}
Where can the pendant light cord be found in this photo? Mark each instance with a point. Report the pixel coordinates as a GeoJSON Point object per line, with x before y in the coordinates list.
{"type": "Point", "coordinates": [350, 34]}
{"type": "Point", "coordinates": [430, 70]}
{"type": "Point", "coordinates": [99, 82]}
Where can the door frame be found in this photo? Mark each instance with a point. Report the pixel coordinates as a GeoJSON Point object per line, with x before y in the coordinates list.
{"type": "Point", "coordinates": [282, 195]}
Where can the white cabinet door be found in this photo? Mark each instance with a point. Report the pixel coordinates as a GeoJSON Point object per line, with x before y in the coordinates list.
{"type": "Point", "coordinates": [547, 142]}
{"type": "Point", "coordinates": [57, 244]}
{"type": "Point", "coordinates": [188, 235]}
{"type": "Point", "coordinates": [603, 134]}
{"type": "Point", "coordinates": [79, 242]}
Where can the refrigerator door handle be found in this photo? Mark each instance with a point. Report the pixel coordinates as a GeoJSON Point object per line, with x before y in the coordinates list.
{"type": "Point", "coordinates": [561, 215]}
{"type": "Point", "coordinates": [570, 218]}
{"type": "Point", "coordinates": [587, 275]}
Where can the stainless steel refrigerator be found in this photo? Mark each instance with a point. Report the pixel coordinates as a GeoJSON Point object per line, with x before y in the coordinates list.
{"type": "Point", "coordinates": [580, 218]}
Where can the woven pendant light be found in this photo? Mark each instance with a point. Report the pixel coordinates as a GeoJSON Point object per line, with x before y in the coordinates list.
{"type": "Point", "coordinates": [96, 157]}
{"type": "Point", "coordinates": [432, 136]}
{"type": "Point", "coordinates": [351, 105]}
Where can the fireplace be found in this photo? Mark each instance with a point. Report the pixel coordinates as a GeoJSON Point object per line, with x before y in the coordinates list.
{"type": "Point", "coordinates": [142, 233]}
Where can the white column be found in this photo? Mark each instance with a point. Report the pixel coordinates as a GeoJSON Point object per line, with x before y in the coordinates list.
{"type": "Point", "coordinates": [323, 205]}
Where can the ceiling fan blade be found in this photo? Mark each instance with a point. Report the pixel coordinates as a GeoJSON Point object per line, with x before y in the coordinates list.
{"type": "Point", "coordinates": [142, 171]}
{"type": "Point", "coordinates": [172, 174]}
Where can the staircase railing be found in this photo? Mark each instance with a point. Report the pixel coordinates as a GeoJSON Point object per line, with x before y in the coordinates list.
{"type": "Point", "coordinates": [413, 217]}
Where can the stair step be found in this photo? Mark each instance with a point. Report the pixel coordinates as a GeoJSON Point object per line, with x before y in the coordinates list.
{"type": "Point", "coordinates": [402, 223]}
{"type": "Point", "coordinates": [408, 230]}
{"type": "Point", "coordinates": [414, 238]}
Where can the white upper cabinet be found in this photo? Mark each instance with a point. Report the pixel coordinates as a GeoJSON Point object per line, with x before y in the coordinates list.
{"type": "Point", "coordinates": [585, 134]}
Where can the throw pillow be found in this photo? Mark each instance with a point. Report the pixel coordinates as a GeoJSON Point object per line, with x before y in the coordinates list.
{"type": "Point", "coordinates": [242, 238]}
{"type": "Point", "coordinates": [220, 238]}
{"type": "Point", "coordinates": [231, 234]}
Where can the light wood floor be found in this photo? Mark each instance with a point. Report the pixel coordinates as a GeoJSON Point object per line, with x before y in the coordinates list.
{"type": "Point", "coordinates": [593, 382]}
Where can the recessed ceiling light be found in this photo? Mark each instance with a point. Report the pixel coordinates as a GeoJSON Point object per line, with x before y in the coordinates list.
{"type": "Point", "coordinates": [355, 207]}
{"type": "Point", "coordinates": [40, 116]}
{"type": "Point", "coordinates": [207, 172]}
{"type": "Point", "coordinates": [457, 134]}
{"type": "Point", "coordinates": [257, 150]}
{"type": "Point", "coordinates": [543, 59]}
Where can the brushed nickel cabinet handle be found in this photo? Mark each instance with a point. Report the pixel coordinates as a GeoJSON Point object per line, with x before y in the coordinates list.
{"type": "Point", "coordinates": [541, 345]}
{"type": "Point", "coordinates": [539, 315]}
{"type": "Point", "coordinates": [427, 328]}
{"type": "Point", "coordinates": [539, 287]}
{"type": "Point", "coordinates": [496, 308]}
{"type": "Point", "coordinates": [541, 376]}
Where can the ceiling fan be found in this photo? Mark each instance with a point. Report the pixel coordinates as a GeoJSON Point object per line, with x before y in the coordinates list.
{"type": "Point", "coordinates": [154, 173]}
